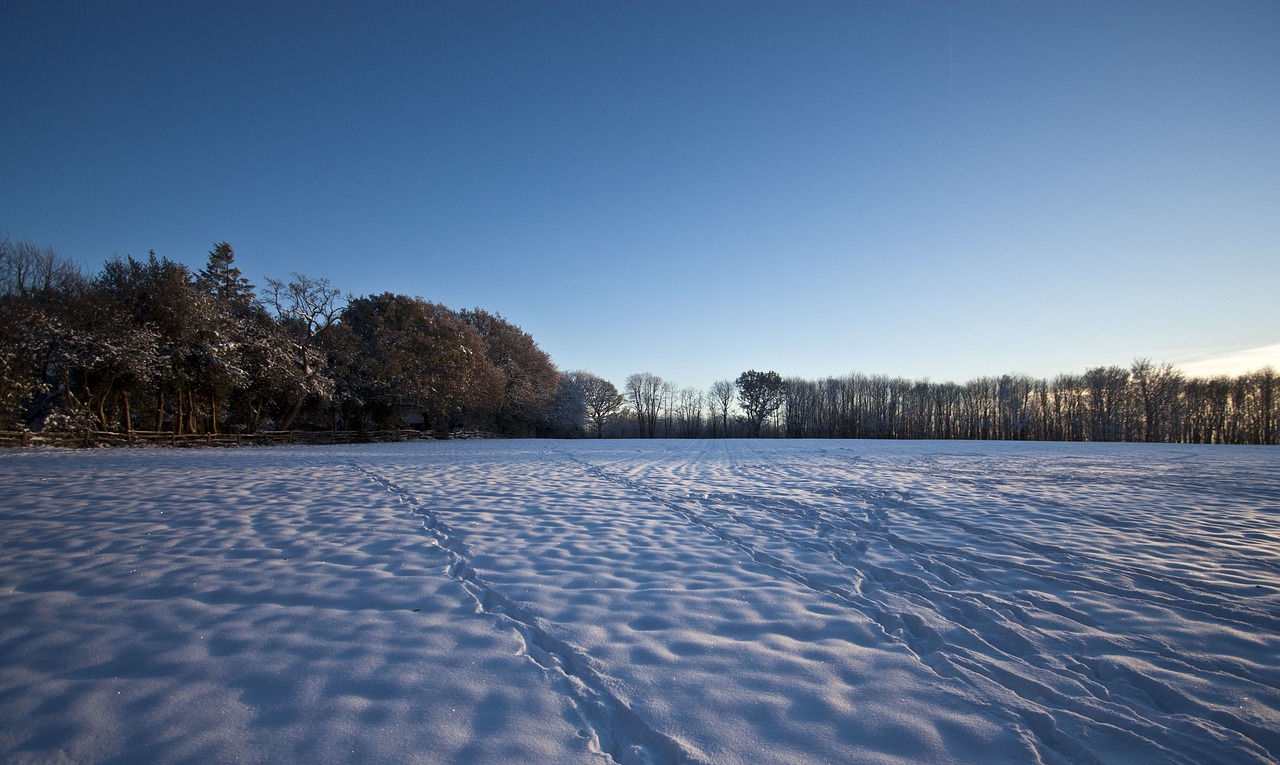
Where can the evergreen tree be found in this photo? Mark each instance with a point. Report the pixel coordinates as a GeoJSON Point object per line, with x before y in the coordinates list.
{"type": "Point", "coordinates": [222, 279]}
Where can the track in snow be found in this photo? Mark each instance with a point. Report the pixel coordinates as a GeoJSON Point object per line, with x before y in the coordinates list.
{"type": "Point", "coordinates": [956, 611]}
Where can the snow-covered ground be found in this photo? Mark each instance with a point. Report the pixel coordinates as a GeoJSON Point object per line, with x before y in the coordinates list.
{"type": "Point", "coordinates": [642, 602]}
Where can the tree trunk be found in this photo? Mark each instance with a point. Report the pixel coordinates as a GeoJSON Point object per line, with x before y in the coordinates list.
{"type": "Point", "coordinates": [293, 413]}
{"type": "Point", "coordinates": [257, 413]}
{"type": "Point", "coordinates": [72, 401]}
{"type": "Point", "coordinates": [302, 395]}
{"type": "Point", "coordinates": [102, 411]}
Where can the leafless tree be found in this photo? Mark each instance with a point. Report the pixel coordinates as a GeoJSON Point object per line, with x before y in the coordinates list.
{"type": "Point", "coordinates": [688, 410]}
{"type": "Point", "coordinates": [600, 396]}
{"type": "Point", "coordinates": [1106, 386]}
{"type": "Point", "coordinates": [28, 270]}
{"type": "Point", "coordinates": [1268, 417]}
{"type": "Point", "coordinates": [721, 396]}
{"type": "Point", "coordinates": [307, 307]}
{"type": "Point", "coordinates": [644, 391]}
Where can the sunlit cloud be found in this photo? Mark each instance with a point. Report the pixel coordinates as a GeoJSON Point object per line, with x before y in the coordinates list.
{"type": "Point", "coordinates": [1229, 362]}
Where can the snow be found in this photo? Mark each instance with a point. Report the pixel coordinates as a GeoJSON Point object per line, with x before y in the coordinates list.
{"type": "Point", "coordinates": [642, 602]}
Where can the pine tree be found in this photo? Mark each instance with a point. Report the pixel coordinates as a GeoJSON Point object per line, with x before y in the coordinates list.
{"type": "Point", "coordinates": [222, 279]}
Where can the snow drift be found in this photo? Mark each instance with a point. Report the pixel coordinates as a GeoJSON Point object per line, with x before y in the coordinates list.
{"type": "Point", "coordinates": [642, 602]}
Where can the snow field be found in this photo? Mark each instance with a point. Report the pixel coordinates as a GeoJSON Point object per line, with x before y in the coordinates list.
{"type": "Point", "coordinates": [250, 606]}
{"type": "Point", "coordinates": [643, 602]}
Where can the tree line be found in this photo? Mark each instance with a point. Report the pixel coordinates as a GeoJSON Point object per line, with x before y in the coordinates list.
{"type": "Point", "coordinates": [1145, 402]}
{"type": "Point", "coordinates": [148, 344]}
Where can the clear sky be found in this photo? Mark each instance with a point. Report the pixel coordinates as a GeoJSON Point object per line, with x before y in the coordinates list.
{"type": "Point", "coordinates": [920, 189]}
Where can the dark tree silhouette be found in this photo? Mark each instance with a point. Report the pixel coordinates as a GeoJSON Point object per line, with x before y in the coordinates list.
{"type": "Point", "coordinates": [759, 394]}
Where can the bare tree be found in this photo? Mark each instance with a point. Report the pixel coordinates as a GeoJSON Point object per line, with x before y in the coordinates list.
{"type": "Point", "coordinates": [645, 391]}
{"type": "Point", "coordinates": [688, 411]}
{"type": "Point", "coordinates": [803, 408]}
{"type": "Point", "coordinates": [601, 397]}
{"type": "Point", "coordinates": [1106, 386]}
{"type": "Point", "coordinates": [28, 271]}
{"type": "Point", "coordinates": [667, 408]}
{"type": "Point", "coordinates": [721, 396]}
{"type": "Point", "coordinates": [1266, 382]}
{"type": "Point", "coordinates": [306, 307]}
{"type": "Point", "coordinates": [1156, 389]}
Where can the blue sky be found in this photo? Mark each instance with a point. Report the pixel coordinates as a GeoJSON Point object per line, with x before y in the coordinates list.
{"type": "Point", "coordinates": [923, 189]}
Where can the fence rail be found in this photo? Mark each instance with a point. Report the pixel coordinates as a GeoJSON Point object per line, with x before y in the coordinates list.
{"type": "Point", "coordinates": [91, 438]}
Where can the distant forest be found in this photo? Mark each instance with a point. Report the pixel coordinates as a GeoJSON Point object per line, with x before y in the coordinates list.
{"type": "Point", "coordinates": [148, 345]}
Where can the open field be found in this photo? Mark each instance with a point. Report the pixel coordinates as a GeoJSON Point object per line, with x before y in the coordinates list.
{"type": "Point", "coordinates": [642, 602]}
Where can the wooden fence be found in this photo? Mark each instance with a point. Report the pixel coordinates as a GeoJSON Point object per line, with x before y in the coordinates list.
{"type": "Point", "coordinates": [91, 438]}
